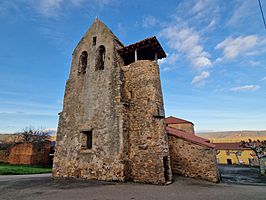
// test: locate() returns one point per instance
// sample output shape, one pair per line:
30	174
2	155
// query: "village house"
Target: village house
234	154
112	126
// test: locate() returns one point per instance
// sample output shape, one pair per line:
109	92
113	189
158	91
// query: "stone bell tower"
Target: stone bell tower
112	123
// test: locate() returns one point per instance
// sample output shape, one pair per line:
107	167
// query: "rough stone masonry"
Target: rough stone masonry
112	124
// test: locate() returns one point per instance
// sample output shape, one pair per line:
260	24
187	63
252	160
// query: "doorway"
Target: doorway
166	169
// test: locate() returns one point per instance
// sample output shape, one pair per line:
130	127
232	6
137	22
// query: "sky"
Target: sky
214	74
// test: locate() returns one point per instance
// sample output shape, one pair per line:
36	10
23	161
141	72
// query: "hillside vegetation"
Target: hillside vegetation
233	136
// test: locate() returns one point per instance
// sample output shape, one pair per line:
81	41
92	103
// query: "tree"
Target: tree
30	134
259	148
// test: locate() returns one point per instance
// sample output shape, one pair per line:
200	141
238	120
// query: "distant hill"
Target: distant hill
9	137
233	136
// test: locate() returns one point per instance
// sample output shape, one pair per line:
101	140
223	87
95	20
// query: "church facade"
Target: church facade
112	124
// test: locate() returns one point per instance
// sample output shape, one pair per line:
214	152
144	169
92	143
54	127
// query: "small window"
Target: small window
83	60
100	58
160	113
130	94
88	139
94	41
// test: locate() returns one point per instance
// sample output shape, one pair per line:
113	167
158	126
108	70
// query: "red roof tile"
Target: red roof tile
189	137
174	120
228	146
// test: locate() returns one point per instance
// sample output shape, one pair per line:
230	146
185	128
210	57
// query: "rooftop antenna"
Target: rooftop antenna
263	18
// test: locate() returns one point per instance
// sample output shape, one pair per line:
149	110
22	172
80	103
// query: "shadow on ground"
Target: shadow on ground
243	175
44	187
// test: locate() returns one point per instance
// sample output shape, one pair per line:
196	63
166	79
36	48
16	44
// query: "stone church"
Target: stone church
112	126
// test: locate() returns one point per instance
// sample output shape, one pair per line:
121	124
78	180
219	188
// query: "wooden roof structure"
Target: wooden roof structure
149	43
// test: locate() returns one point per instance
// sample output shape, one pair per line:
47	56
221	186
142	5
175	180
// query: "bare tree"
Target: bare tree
259	148
30	134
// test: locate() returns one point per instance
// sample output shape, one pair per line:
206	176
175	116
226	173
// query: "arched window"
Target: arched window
83	60
100	57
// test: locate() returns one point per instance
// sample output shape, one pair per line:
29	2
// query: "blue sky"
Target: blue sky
214	75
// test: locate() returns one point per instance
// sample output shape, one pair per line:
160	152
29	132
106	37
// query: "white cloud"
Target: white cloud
46	8
83	2
200	78
47	5
187	41
244	9
245	88
232	47
168	68
211	25
52	8
149	21
170	59
169	63
264	78
254	63
199	6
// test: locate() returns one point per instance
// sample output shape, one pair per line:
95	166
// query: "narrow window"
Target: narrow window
83	59
100	57
94	41
88	139
130	94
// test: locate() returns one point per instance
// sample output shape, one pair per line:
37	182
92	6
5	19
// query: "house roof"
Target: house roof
175	120
148	42
189	137
229	146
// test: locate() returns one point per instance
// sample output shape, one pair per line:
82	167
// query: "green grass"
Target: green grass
8	169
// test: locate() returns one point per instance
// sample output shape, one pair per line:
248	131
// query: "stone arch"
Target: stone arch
83	61
100	58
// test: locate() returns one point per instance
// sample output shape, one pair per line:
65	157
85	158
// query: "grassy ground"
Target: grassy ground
7	169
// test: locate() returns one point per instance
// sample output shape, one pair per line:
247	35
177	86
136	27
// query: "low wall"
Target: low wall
30	154
193	160
4	156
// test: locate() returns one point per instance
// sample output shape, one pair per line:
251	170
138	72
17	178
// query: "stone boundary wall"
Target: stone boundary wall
193	160
29	154
4	156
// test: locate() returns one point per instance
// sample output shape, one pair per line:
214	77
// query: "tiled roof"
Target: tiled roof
228	146
148	42
189	137
174	120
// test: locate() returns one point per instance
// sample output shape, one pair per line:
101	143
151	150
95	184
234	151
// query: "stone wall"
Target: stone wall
4	156
148	151
186	127
29	154
193	160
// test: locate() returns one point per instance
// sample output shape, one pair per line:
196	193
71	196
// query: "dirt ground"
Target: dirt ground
42	187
